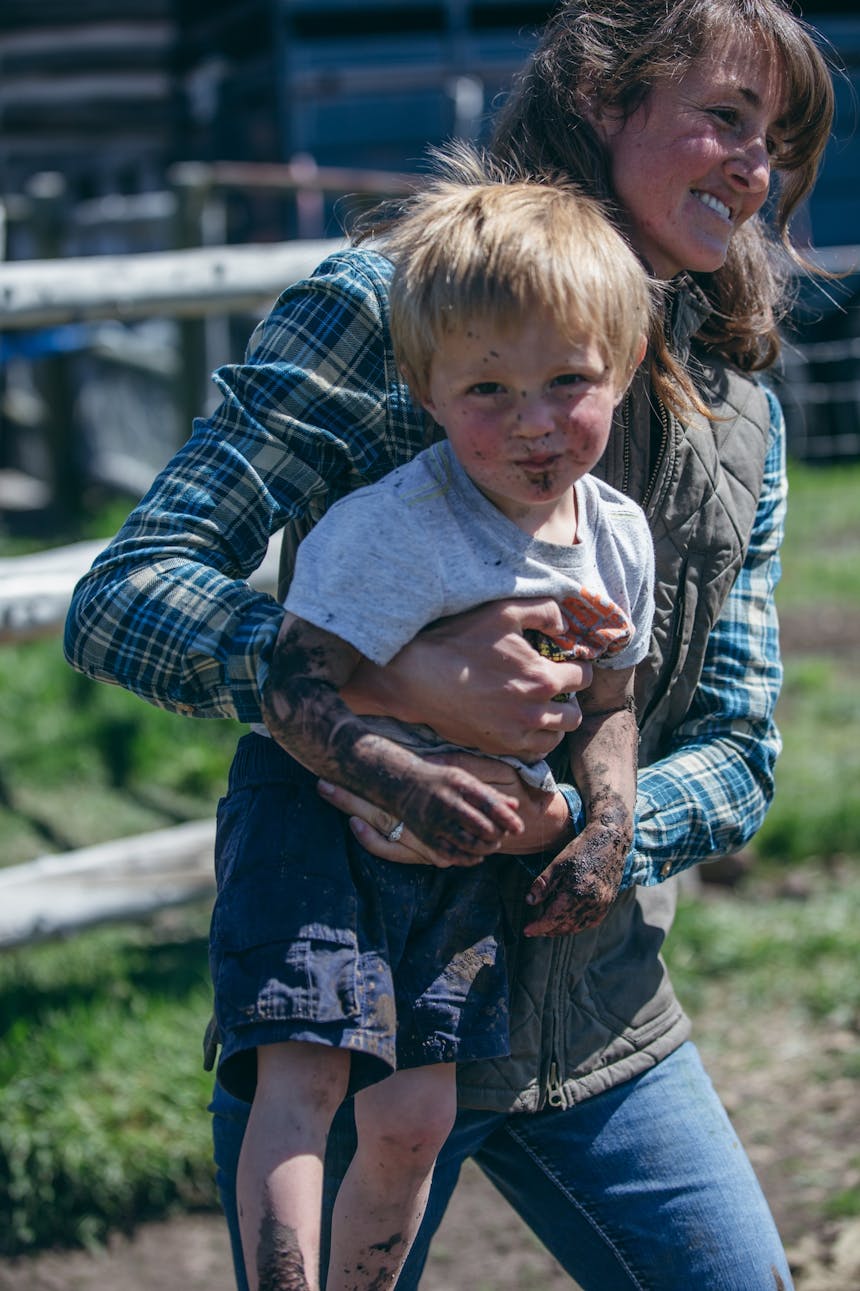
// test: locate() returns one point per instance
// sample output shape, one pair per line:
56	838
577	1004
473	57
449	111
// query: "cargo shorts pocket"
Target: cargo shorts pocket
269	964
284	939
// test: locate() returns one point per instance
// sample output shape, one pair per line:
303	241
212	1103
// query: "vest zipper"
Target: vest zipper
554	1092
625	423
560	961
661	453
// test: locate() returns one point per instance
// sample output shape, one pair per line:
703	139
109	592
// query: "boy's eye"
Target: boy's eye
568	379
486	387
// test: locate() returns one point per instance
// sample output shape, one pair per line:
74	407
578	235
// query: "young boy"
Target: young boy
518	316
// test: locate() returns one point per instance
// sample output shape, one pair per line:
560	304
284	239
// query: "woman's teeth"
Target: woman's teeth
708	199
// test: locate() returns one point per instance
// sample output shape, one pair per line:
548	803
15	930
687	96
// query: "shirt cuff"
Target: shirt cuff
574	806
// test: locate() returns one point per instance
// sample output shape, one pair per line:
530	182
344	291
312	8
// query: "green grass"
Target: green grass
775	952
102	1092
82	763
821	553
816	810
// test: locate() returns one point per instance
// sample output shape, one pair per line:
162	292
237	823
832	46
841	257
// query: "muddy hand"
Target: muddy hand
458	815
578	887
545	817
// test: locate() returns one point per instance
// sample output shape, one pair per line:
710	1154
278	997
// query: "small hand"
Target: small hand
545	816
456	814
578	887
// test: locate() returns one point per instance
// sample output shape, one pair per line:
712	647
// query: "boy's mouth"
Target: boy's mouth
538	462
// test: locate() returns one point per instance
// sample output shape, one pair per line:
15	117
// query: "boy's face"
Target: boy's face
527	411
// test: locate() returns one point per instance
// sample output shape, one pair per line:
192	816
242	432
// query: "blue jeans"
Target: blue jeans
643	1187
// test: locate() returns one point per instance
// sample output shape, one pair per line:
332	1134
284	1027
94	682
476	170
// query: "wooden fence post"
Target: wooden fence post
191	183
47	194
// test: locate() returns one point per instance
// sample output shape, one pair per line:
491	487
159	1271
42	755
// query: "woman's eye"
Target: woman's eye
728	115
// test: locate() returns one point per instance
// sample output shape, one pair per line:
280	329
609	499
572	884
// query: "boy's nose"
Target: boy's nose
535	417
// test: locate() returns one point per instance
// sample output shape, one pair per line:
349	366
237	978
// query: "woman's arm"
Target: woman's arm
709	795
315	410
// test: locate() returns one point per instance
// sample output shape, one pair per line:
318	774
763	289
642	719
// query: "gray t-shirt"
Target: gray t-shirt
423	543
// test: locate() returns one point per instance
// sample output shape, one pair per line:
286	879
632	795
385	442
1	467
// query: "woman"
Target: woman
602	1129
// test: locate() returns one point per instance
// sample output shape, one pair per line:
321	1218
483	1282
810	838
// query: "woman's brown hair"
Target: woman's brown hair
611	53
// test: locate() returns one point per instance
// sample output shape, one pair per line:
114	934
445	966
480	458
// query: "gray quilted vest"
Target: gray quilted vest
595	1009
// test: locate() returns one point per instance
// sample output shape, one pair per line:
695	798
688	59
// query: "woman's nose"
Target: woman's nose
749	167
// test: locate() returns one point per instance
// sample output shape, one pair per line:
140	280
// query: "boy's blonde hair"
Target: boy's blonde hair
477	244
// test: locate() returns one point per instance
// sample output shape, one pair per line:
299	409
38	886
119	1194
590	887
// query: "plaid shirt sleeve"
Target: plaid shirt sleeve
709	795
316	409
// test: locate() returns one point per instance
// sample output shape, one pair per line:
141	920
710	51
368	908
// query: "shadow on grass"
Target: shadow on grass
32	987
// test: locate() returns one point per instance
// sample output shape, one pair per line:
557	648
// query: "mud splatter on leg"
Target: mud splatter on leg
280	1266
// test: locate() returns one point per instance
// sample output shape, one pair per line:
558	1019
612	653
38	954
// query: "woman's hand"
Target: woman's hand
545	816
477	681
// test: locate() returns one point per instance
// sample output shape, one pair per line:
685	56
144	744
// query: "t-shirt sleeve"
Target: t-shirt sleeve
369	574
638	549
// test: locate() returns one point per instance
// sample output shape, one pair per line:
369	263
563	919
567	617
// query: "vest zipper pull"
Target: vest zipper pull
554	1094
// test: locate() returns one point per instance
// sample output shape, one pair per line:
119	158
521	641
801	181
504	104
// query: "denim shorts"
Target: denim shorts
313	939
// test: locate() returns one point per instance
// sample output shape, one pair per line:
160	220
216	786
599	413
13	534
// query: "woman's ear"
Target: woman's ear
593	110
605	119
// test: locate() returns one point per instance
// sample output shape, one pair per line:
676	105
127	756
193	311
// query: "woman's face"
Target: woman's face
693	162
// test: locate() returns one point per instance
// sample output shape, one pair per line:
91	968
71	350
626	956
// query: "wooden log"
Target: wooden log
180	284
125	879
35	590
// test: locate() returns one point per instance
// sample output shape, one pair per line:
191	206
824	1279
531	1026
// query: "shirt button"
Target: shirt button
666	869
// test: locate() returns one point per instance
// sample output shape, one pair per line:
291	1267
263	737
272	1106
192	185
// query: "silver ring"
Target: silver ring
394	836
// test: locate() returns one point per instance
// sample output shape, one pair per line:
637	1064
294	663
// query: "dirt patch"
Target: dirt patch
784	1085
828	631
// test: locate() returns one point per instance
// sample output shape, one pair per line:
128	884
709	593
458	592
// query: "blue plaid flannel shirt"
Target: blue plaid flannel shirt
317	409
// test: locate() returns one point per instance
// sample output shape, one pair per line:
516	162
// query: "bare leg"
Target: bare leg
279	1177
402	1123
